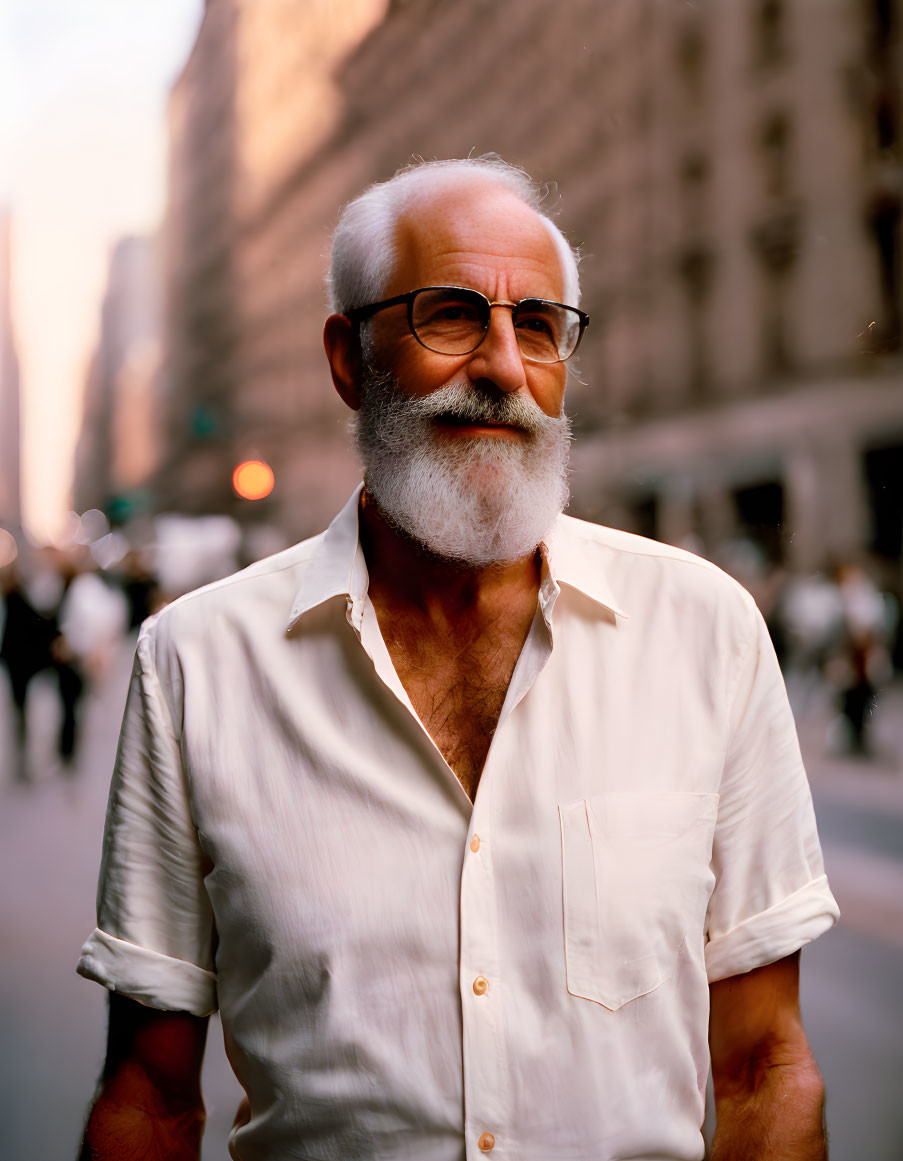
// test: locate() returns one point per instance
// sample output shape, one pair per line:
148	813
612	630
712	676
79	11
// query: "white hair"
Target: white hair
364	249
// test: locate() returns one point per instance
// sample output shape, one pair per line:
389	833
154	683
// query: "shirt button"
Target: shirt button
475	843
481	987
486	1142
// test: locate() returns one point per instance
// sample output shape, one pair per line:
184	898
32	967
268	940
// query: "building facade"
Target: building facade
732	174
10	427
118	448
244	305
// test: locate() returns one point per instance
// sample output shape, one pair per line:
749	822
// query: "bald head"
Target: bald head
470	233
375	228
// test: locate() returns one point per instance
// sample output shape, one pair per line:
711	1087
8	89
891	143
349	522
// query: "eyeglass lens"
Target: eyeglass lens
454	321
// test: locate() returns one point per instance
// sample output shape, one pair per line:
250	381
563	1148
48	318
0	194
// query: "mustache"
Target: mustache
473	403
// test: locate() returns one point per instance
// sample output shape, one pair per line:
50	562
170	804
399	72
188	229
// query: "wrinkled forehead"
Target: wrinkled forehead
471	233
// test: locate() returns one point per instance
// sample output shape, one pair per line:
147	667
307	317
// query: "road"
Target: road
851	992
53	1021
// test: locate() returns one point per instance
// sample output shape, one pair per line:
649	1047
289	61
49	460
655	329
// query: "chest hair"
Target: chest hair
457	690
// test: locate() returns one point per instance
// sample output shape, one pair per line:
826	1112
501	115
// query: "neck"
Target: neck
403	574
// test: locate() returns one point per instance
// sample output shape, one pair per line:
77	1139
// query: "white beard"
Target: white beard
477	500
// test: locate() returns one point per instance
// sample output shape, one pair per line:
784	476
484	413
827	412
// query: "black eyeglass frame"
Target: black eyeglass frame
359	314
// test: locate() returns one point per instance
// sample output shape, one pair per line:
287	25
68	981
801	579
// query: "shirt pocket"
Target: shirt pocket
635	877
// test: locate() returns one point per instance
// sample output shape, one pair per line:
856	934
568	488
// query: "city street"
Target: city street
53	1021
708	200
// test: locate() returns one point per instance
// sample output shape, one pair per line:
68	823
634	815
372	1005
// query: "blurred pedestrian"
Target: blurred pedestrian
140	587
26	649
862	664
49	590
64	620
93	616
810	615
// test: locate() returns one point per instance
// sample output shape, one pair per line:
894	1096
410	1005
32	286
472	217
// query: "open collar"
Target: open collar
337	567
572	558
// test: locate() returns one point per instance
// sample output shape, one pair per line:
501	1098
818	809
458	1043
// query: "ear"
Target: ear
343	350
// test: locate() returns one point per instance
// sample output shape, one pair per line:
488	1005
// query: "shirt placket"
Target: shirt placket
482	993
479	977
489	1125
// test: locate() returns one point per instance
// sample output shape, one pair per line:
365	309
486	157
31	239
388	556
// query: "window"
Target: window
691	57
775	152
768	33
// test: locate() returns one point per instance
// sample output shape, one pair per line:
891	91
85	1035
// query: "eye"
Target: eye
454	312
445	308
537	325
448	319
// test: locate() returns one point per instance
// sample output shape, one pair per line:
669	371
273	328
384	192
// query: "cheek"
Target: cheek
395	350
420	372
548	391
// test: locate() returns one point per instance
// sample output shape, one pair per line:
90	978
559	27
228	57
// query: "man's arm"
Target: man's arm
149	1107
769	1094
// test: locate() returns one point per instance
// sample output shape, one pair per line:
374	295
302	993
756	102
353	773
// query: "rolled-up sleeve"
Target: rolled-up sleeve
154	938
771	895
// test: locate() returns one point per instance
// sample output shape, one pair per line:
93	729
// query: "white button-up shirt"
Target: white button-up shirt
402	974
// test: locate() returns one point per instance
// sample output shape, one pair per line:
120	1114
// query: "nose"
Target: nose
498	358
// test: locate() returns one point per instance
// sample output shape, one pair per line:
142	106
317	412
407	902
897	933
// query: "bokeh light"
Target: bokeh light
93	525
9	550
253	479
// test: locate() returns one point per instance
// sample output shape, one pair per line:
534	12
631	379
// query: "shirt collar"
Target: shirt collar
580	562
337	567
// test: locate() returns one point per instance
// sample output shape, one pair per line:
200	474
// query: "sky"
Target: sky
83	90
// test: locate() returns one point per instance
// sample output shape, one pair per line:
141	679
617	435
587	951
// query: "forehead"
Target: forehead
476	234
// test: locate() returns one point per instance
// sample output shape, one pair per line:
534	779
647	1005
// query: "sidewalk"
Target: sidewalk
865	795
54	1022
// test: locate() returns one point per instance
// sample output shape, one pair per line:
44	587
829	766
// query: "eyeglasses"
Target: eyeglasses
453	320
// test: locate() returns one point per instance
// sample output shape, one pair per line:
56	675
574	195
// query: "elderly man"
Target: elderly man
479	825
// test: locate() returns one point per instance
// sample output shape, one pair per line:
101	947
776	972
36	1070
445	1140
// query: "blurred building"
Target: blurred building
731	172
241	376
10	434
118	448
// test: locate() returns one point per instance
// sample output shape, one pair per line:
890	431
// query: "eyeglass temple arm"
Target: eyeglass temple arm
360	313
